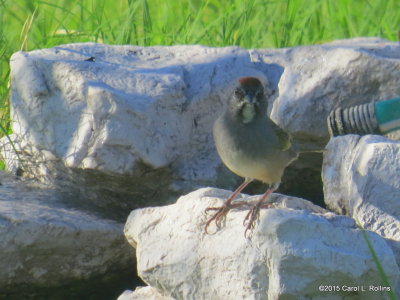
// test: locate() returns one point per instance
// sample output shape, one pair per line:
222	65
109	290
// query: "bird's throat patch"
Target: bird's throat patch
248	113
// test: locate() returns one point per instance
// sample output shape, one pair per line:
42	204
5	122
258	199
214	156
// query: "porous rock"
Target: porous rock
143	293
298	252
49	248
110	121
361	178
319	79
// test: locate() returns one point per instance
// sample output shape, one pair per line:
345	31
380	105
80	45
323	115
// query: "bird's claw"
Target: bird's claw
250	219
218	217
252	216
221	213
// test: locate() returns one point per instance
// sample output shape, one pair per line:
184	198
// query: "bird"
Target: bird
252	146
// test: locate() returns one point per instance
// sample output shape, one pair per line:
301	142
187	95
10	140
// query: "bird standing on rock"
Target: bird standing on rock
252	146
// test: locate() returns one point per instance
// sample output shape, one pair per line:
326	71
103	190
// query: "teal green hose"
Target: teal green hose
372	118
388	115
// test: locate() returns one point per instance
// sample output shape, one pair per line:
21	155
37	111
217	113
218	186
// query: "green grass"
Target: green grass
32	24
382	274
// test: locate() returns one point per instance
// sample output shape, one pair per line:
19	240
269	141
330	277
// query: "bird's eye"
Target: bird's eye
238	93
259	94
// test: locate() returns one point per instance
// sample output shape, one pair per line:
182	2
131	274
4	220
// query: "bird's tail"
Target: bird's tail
307	147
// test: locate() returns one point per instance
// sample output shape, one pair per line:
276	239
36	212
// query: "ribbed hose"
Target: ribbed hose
359	119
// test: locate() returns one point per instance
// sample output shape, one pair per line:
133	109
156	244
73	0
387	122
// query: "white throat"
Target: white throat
248	113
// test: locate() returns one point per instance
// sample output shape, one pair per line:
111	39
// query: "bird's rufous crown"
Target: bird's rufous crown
249	81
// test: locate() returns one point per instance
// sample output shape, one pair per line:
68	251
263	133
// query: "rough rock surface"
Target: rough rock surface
143	293
343	73
47	246
291	254
362	179
110	121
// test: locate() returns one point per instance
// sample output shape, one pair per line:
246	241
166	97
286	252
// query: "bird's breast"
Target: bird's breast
250	152
266	169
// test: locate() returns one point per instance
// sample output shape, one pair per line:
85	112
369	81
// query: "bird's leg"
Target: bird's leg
253	214
226	206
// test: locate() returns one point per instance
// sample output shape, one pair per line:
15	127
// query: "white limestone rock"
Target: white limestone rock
361	178
110	121
318	79
143	293
291	254
47	244
132	104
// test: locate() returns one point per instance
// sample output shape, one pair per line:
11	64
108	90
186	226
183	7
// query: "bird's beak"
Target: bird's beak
249	100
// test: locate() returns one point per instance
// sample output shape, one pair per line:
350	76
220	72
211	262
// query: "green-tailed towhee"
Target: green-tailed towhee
251	145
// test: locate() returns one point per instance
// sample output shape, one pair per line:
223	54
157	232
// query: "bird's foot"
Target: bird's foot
252	216
221	213
218	217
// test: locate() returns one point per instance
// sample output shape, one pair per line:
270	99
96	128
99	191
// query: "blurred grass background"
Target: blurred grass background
31	24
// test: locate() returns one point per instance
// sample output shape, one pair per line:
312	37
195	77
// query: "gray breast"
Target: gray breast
250	150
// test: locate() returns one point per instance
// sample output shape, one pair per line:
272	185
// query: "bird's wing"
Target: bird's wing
285	141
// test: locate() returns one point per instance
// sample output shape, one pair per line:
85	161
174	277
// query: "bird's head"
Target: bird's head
248	102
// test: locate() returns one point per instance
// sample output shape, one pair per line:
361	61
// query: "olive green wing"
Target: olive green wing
285	140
